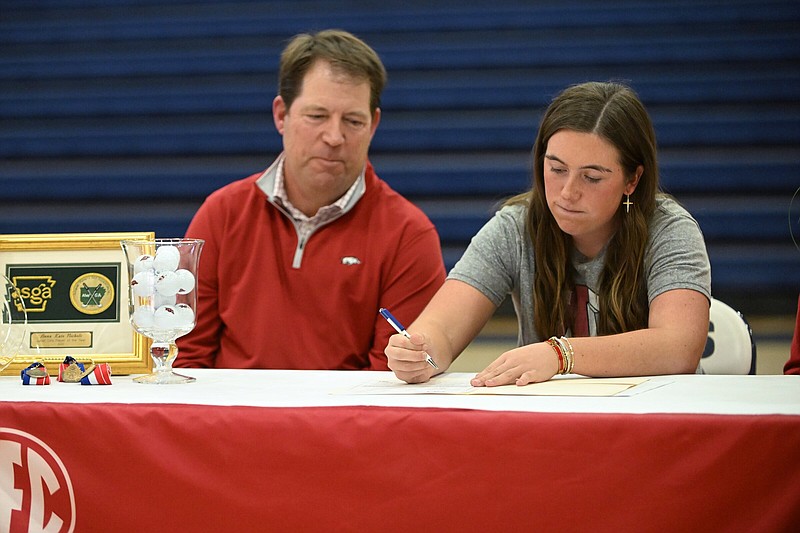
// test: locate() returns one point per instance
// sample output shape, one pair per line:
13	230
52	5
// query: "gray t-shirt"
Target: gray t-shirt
499	261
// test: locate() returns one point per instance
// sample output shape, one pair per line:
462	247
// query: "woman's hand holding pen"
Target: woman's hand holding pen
527	364
408	357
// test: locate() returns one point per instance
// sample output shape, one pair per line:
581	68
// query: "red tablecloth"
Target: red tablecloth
147	467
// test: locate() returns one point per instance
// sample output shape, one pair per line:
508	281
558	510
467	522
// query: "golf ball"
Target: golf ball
143	317
167	259
166	317
143	283
159	300
185	281
142	263
185	314
167	283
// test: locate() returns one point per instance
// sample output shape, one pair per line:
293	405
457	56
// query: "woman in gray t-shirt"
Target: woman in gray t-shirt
608	276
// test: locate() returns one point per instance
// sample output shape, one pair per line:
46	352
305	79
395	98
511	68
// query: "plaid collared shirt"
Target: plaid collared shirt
324	215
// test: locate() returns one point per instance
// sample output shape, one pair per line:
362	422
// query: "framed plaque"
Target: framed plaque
74	288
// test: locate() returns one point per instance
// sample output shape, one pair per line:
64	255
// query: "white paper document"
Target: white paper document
458	383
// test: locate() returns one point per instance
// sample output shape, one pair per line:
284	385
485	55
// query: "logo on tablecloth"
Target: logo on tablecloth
35	489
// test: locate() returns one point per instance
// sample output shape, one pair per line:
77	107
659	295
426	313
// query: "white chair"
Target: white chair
730	348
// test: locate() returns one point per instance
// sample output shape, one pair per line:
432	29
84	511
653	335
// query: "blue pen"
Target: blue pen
402	331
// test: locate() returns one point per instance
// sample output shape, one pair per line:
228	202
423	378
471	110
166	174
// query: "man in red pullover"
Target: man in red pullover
299	258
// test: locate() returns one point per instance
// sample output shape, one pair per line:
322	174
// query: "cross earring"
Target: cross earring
627	203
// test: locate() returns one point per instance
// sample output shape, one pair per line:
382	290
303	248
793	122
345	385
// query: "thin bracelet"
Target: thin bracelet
567	358
559	349
569	355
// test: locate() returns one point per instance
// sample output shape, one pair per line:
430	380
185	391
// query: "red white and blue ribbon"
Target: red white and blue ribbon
35	374
72	371
100	375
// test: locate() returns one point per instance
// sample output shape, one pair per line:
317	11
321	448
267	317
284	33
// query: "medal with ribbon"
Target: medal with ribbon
72	371
35	374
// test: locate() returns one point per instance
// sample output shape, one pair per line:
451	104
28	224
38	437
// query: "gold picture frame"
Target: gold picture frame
100	332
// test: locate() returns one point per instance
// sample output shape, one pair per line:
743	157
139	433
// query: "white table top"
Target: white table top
713	394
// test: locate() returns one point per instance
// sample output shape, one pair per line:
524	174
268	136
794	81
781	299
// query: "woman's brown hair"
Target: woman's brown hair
614	112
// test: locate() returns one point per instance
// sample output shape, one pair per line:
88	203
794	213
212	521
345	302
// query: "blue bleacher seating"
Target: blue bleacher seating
122	115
